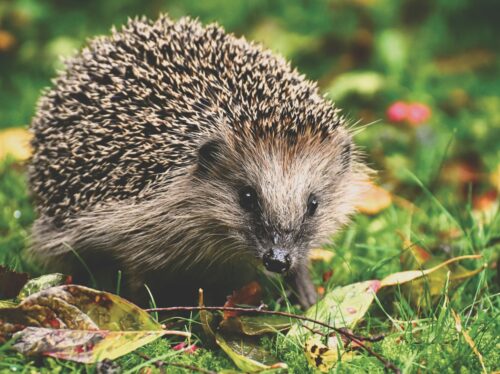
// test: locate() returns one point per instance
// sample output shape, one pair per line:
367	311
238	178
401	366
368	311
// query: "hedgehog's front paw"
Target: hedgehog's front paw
303	287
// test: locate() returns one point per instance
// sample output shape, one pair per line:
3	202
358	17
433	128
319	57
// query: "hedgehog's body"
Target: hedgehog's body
180	153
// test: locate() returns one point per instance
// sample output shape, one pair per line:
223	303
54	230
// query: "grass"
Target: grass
420	338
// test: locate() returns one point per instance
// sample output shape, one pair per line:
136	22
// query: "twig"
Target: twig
342	331
160	364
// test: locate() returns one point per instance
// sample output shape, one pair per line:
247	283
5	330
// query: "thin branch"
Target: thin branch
342	331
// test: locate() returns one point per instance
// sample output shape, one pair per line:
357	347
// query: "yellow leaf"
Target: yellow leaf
15	142
319	254
374	199
408	276
325	356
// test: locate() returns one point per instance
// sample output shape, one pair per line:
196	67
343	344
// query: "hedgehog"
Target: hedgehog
186	157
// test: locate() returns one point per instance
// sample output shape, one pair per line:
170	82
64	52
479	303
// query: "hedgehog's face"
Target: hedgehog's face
278	199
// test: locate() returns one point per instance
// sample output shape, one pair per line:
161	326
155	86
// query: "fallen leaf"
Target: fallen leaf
319	254
41	283
7	40
247	354
325	356
16	143
78	323
79	345
341	307
408	276
256	325
373	200
346	306
251	294
485	201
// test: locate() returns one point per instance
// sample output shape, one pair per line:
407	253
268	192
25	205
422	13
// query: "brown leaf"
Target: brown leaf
485	201
251	294
466	61
374	199
7	40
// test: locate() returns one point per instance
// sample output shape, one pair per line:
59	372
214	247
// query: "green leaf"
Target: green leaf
342	307
247	354
41	283
364	83
256	325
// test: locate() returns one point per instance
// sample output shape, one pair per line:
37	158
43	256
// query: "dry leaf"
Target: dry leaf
325	356
15	142
251	294
7	40
319	254
374	199
485	201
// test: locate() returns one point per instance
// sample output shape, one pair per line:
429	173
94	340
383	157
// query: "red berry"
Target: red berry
397	112
418	113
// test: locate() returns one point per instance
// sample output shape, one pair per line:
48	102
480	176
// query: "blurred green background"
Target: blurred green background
366	55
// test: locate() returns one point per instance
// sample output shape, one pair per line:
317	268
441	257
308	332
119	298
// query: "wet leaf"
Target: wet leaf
247	354
79	345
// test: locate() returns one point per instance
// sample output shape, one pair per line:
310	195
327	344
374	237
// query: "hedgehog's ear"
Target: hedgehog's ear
208	155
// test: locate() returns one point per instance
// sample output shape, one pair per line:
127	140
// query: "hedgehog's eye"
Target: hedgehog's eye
312	205
248	198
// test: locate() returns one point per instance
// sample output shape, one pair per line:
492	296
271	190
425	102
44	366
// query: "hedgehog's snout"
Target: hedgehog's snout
277	260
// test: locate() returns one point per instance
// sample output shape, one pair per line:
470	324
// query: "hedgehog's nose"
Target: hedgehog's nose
277	260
